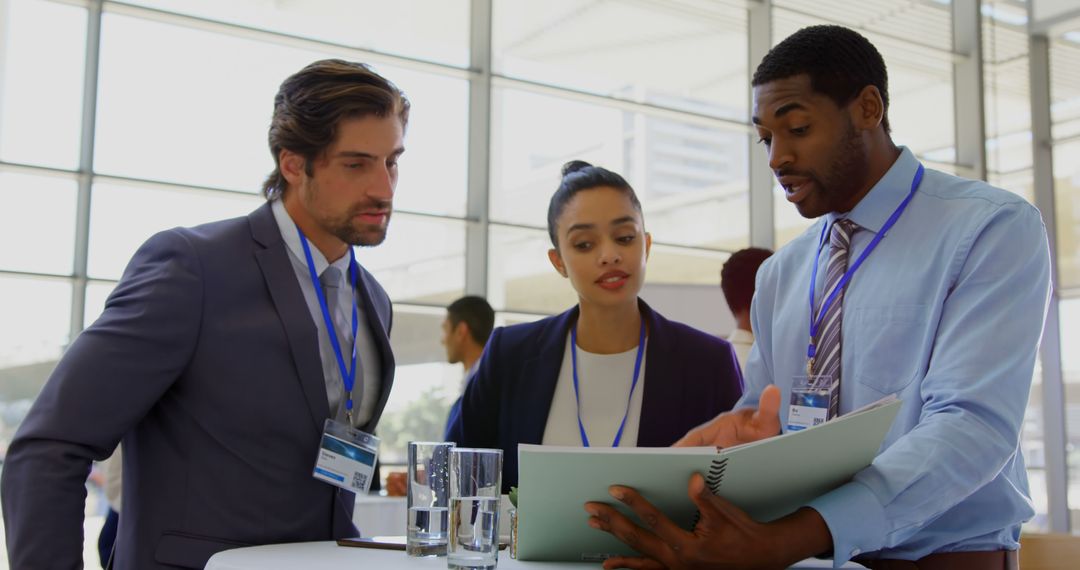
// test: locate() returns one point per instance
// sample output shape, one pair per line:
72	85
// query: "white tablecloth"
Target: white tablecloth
329	556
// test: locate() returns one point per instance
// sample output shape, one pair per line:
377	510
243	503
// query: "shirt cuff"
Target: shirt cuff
855	518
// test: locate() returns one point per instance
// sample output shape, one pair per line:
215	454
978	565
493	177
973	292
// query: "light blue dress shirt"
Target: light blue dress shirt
946	313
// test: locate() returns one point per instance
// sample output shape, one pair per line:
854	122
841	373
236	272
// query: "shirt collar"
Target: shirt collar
292	241
875	208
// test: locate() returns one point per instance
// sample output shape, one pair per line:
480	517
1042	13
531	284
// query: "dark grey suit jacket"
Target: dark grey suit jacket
206	363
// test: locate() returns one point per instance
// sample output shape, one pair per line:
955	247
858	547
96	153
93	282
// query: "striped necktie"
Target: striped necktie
331	280
827	362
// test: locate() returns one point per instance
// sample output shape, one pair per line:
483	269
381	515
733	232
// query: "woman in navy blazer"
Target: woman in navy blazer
597	229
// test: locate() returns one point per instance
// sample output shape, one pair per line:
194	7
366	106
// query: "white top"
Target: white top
604	383
741	340
367	378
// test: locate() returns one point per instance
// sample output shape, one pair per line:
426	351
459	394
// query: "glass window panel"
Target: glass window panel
34	324
42	57
115	233
504	319
1039	498
577	44
97	292
46	210
424	383
920	78
1067	206
433	175
789	223
421	261
924	23
217	137
1020	182
520	276
1069	310
680	265
692	180
1065	114
1065	84
436	30
1008	104
198	115
1033	446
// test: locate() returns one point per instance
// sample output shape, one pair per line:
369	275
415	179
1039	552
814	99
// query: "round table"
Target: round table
329	556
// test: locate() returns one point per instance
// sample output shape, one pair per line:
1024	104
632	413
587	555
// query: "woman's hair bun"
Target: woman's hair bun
574	166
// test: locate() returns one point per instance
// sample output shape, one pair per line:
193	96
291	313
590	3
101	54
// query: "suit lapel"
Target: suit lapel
295	318
379	325
539	376
664	383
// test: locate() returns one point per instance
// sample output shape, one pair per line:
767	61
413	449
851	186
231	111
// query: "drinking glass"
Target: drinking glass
475	492
428	498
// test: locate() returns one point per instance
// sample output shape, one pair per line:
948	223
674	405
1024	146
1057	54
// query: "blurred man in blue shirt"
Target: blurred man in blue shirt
466	328
945	312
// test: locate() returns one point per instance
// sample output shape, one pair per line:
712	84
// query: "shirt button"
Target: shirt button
855	552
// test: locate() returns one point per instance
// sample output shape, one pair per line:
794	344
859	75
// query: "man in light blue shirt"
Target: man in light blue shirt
945	312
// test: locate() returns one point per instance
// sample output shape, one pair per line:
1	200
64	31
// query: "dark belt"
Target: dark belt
977	560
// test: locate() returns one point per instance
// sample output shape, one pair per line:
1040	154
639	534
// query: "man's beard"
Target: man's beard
342	228
366	235
847	171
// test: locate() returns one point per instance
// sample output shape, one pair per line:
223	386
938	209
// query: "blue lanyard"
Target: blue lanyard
577	397
348	376
811	350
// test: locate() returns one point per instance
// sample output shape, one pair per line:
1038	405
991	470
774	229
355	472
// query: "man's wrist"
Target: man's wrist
800	535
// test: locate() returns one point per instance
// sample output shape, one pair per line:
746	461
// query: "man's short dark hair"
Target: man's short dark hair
738	274
310	105
476	313
840	63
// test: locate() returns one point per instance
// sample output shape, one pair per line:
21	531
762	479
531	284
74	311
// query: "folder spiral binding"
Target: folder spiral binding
716	474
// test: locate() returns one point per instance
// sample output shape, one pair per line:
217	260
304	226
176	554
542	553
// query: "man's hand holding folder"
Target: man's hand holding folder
740	426
725	536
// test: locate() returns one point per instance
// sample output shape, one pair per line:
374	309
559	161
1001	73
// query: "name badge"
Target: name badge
810	397
346	457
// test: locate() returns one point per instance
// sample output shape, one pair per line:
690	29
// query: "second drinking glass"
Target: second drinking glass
475	492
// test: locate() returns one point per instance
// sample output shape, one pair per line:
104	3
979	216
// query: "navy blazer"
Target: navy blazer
206	362
690	377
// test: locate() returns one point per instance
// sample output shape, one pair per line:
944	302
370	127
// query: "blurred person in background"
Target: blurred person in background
737	282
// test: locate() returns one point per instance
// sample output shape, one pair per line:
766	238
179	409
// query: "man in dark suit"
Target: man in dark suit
213	362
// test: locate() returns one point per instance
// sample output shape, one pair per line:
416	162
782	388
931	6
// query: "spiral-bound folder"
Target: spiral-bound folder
768	479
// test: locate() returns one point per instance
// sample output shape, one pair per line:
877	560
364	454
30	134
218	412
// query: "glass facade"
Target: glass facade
161	122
